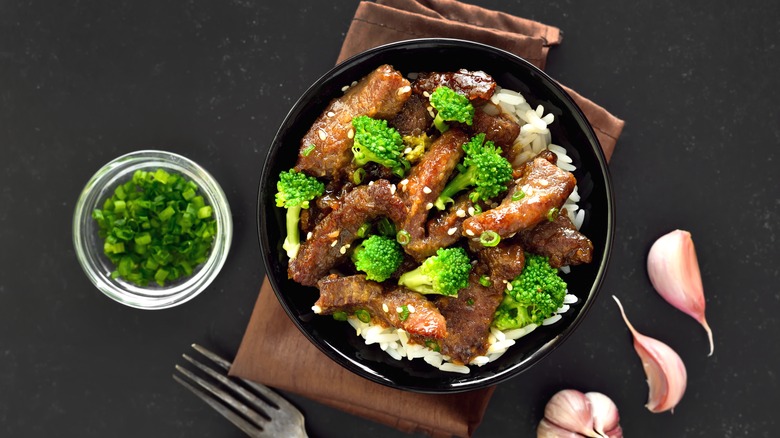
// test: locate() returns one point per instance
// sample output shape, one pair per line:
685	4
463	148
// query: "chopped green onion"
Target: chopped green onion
404	313
307	150
470	301
403	237
433	345
358	175
489	238
155	227
363	315
552	214
518	195
363	230
485	281
477	209
340	316
385	227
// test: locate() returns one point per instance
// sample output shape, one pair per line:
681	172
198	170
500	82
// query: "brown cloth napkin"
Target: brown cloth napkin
265	354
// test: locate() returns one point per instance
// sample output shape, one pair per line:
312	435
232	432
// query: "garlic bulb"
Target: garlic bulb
666	375
674	272
570	413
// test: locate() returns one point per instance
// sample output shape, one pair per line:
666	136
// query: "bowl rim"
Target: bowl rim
153	297
514	369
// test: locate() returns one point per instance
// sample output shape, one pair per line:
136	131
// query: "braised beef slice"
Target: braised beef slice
424	184
560	241
499	129
381	94
330	240
349	294
414	118
544	186
478	86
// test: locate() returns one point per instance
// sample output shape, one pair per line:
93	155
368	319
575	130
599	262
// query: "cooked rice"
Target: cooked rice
533	138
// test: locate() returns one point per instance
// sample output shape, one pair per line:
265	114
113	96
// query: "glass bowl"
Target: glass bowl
89	245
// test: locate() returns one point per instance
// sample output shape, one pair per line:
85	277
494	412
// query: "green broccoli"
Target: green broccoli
294	191
445	273
450	107
378	257
534	295
416	145
377	142
483	167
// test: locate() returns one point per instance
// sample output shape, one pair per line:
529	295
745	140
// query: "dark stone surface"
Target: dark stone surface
84	82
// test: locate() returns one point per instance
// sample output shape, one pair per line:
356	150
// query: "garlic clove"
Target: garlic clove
666	375
604	412
674	272
617	432
570	410
546	429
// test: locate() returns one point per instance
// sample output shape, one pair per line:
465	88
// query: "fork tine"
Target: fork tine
225	397
266	392
234	418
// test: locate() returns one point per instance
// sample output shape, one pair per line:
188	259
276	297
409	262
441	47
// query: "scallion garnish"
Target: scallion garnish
489	238
155	228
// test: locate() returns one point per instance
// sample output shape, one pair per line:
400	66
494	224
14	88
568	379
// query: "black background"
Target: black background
83	82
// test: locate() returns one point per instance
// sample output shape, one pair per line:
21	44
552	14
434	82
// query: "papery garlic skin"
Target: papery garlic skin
546	429
674	272
666	374
570	410
604	412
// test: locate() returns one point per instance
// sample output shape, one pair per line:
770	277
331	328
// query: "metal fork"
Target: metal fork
253	408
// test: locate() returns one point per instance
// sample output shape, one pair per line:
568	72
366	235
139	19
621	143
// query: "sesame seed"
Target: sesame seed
404	182
509	286
393	188
542	182
334	234
350	133
469	232
354	83
345	88
334	243
429	206
410	308
385	308
370	183
426	189
471	211
331	114
316	309
343	250
399	309
452	231
308	235
347	246
323	134
408	151
426	94
405	89
460	213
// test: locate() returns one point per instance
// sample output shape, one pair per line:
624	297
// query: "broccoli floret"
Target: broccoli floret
484	168
534	295
377	142
294	191
450	107
445	273
378	257
416	145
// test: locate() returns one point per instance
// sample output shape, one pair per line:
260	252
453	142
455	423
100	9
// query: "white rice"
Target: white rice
533	138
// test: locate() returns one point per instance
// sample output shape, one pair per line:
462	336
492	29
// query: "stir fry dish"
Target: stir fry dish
434	207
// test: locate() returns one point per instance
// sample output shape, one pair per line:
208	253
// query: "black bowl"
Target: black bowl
570	130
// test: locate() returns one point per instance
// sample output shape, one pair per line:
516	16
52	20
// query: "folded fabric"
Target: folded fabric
275	353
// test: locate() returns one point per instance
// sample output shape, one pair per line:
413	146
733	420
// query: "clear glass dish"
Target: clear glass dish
89	245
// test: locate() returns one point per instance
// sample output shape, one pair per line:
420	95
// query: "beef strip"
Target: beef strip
424	184
478	86
348	294
559	240
380	94
414	118
443	230
470	314
545	186
330	239
499	129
